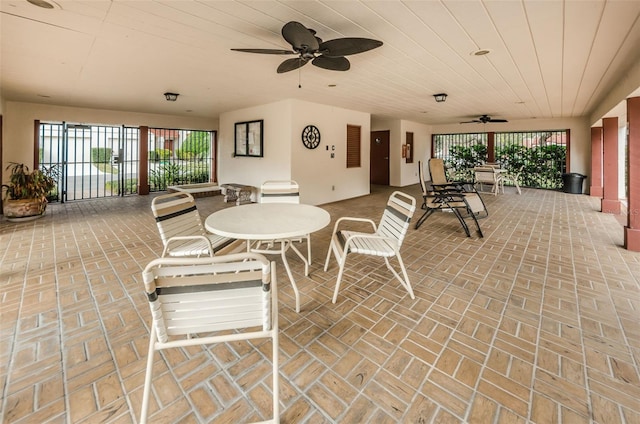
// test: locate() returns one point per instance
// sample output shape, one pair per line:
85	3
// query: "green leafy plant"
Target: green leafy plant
130	186
26	184
195	145
166	175
162	154
101	154
467	156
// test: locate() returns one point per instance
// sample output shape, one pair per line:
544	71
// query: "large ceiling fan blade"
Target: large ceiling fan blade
332	63
265	51
498	120
299	36
470	122
348	46
291	64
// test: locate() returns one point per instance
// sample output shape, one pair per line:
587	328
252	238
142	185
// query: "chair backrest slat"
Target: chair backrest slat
484	174
191	295
396	216
280	192
176	215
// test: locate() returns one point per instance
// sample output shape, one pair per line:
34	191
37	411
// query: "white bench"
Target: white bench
197	190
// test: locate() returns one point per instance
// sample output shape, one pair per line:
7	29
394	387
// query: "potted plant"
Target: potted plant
26	193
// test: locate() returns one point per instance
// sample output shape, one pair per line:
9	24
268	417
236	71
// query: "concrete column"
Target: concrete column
596	162
632	230
610	201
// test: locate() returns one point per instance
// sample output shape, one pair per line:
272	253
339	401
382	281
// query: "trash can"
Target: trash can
572	182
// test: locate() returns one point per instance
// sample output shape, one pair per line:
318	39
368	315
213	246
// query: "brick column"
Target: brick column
491	147
632	230
143	154
596	162
610	201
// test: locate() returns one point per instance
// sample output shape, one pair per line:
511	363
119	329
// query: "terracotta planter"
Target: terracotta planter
23	209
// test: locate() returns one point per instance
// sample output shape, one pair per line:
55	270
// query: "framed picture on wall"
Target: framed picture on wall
248	139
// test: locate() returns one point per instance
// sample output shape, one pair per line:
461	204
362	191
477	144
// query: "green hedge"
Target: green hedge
539	166
101	154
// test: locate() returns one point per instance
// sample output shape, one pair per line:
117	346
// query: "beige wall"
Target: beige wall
421	150
322	179
402	173
276	162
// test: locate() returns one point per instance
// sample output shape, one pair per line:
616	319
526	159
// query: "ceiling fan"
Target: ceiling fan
483	119
323	54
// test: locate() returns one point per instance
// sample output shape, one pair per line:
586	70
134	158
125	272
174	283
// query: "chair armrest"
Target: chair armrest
354	237
457	185
351	219
183	238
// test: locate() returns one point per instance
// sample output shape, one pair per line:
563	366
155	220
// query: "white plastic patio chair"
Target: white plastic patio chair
385	240
286	191
205	295
181	228
490	176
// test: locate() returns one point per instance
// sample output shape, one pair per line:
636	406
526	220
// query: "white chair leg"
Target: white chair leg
147	378
276	378
326	262
283	249
404	282
302	258
406	277
335	292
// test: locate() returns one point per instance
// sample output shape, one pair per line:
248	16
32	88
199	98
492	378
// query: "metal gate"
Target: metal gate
90	161
539	157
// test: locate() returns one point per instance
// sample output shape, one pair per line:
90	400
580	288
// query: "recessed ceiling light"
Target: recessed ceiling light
45	4
480	52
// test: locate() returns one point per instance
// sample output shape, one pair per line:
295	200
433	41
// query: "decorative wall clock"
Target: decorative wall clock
311	137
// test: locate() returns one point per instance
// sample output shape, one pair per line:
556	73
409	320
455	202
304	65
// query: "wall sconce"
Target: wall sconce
440	97
171	97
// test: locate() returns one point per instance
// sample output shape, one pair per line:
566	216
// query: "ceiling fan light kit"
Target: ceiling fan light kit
310	48
171	97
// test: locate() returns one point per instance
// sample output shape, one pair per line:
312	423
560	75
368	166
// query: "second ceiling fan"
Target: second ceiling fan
323	54
484	119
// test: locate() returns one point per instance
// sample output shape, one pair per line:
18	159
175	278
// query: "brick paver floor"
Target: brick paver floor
539	321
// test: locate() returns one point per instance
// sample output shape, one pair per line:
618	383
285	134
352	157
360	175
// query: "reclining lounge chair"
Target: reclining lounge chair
457	197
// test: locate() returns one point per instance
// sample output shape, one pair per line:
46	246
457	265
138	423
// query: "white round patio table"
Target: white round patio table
270	221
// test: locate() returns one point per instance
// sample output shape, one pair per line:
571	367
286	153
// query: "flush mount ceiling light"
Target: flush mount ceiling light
45	4
480	52
171	97
440	97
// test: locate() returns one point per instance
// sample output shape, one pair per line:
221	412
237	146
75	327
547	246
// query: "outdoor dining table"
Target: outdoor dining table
270	221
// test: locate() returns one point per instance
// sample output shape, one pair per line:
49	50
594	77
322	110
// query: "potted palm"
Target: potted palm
26	194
